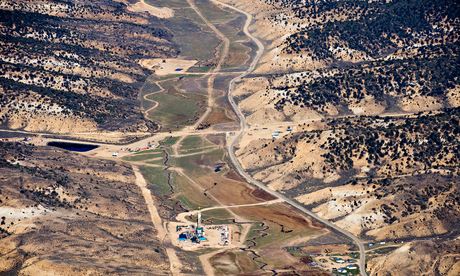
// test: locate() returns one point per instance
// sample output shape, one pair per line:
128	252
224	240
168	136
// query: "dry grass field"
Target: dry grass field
91	215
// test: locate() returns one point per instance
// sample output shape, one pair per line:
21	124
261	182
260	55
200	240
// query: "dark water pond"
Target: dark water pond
73	146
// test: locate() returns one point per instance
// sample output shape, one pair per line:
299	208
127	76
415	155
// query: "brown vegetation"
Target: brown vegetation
89	212
63	73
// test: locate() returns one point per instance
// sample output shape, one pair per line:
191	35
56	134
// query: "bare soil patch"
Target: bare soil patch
141	6
168	66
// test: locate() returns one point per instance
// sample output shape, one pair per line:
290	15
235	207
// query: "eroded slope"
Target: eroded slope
74	66
333	58
62	213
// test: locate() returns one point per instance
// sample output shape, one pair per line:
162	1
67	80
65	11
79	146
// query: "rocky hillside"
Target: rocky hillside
428	257
334	58
354	112
376	176
73	66
62	213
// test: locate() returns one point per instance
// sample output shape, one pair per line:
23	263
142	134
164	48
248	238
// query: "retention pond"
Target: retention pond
73	146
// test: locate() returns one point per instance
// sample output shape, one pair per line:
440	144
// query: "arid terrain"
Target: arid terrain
360	120
70	67
229	137
66	214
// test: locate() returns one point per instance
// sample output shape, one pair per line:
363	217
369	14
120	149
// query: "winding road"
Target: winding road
243	127
216	69
105	150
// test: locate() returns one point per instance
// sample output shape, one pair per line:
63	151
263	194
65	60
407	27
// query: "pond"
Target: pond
73	146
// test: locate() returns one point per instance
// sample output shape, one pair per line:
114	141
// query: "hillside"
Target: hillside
229	137
73	66
333	58
362	173
354	112
66	214
420	257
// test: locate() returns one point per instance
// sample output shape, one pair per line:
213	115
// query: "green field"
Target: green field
149	151
158	162
217	216
167	142
176	109
238	56
214	13
199	46
166	3
199	69
142	157
194	143
157	179
189	196
275	236
193	164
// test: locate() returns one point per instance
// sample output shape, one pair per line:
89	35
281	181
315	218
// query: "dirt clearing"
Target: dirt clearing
167	66
141	6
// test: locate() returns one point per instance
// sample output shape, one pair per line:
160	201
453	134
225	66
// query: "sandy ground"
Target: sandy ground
206	264
24	215
175	264
141	6
277	175
168	66
55	124
453	96
420	103
368	106
337	203
258	105
418	258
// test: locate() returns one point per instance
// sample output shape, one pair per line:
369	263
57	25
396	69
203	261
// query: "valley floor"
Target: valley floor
193	176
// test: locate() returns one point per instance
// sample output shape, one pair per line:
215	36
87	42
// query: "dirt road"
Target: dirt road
182	216
223	56
243	126
162	234
106	150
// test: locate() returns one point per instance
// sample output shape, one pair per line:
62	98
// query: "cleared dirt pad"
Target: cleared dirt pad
141	6
163	67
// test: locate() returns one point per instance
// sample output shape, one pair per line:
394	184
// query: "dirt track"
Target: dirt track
181	216
140	181
223	56
243	126
175	263
156	220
